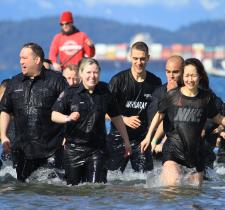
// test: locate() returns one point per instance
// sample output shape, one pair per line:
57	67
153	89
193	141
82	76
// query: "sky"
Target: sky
168	14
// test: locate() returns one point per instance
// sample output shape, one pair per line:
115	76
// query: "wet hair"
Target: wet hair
72	67
204	80
140	46
37	50
87	61
4	83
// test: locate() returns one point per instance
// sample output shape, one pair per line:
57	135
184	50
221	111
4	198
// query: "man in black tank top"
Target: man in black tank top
132	88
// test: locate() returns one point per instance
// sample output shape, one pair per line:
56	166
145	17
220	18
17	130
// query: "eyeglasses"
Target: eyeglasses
64	24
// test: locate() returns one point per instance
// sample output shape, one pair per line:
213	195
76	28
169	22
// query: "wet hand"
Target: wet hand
89	42
6	145
57	67
153	146
132	121
144	145
74	116
158	148
222	134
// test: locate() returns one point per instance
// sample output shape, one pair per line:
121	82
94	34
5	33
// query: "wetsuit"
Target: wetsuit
84	155
210	136
158	94
30	102
72	45
133	99
221	151
186	119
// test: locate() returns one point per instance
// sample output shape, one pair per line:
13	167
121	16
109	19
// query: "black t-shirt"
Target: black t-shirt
30	102
134	97
90	129
158	94
186	118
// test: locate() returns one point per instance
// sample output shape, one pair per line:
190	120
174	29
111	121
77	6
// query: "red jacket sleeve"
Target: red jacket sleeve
89	51
54	49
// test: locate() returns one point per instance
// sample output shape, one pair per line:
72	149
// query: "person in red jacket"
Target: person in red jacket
71	45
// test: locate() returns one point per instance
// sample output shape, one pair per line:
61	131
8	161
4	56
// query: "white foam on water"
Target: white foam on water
153	178
42	175
150	179
212	174
220	170
45	175
7	169
218	187
127	175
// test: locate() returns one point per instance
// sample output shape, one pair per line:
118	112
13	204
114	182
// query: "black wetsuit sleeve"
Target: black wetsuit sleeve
62	103
6	101
113	109
163	104
219	103
159	81
156	97
158	94
114	88
152	108
212	110
61	85
113	85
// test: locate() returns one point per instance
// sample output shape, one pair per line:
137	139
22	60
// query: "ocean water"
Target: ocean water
130	190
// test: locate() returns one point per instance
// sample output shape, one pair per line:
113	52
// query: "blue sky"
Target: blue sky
169	14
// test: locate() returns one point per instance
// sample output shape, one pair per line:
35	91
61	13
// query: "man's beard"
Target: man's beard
72	31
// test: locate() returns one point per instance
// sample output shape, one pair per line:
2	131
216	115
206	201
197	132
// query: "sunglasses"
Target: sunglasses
64	24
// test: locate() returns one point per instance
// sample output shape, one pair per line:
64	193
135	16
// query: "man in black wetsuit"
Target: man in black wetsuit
132	88
29	97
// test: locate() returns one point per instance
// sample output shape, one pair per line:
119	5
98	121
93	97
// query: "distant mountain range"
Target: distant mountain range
14	34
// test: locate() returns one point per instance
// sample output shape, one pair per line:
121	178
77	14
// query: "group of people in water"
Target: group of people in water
62	114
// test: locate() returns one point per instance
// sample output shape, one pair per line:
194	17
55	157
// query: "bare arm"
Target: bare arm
154	124
56	66
222	134
89	48
5	120
158	135
107	117
62	118
159	132
132	121
119	124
